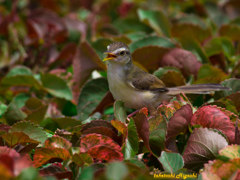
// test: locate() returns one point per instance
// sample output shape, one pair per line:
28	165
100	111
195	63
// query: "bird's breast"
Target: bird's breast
120	90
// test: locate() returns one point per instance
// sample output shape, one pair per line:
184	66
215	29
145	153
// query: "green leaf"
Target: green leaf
171	162
218	45
21	99
3	109
14	114
91	95
156	19
210	74
56	86
33	131
66	122
87	173
30	173
123	27
19	70
100	46
132	145
116	171
151	41
232	83
157	133
120	111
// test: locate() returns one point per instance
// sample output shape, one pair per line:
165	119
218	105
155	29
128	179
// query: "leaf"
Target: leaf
173	79
36	110
13	114
210	74
19	70
156	20
85	61
151	41
33	131
98	123
232	151
20	76
190	30
122	25
230	30
232	83
56	86
203	145
193	45
57	142
105	153
29	173
182	59
100	46
119	111
104	131
121	127
15	138
158	132
91	95
3	109
106	101
100	147
44	155
132	145
213	117
219	45
9	151
171	162
66	122
179	121
82	159
116	170
142	126
153	54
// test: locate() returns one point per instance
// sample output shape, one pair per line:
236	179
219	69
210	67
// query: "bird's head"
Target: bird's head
118	52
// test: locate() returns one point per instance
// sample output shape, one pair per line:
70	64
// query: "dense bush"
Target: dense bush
58	118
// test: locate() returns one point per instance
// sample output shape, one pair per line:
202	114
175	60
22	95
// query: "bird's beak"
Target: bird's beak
110	56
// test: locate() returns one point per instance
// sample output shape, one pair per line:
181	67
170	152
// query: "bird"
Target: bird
137	88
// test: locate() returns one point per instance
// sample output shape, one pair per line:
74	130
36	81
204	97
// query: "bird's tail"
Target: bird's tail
196	89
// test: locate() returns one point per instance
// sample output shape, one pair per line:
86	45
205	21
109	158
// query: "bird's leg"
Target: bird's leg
133	113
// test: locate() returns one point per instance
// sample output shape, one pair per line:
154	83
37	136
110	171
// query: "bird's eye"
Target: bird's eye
122	53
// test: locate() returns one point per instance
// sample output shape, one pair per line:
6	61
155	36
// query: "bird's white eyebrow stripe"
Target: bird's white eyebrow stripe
119	50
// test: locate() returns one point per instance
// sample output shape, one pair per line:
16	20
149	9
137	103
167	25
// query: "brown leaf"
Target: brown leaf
179	121
142	125
85	61
149	56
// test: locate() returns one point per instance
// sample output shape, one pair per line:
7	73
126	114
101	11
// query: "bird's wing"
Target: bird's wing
142	80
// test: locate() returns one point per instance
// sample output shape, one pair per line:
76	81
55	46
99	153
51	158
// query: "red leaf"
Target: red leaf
184	60
179	121
106	132
9	151
142	126
213	117
100	147
105	153
44	155
57	142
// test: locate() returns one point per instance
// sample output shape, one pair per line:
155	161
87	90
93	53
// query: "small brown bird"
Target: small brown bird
137	88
